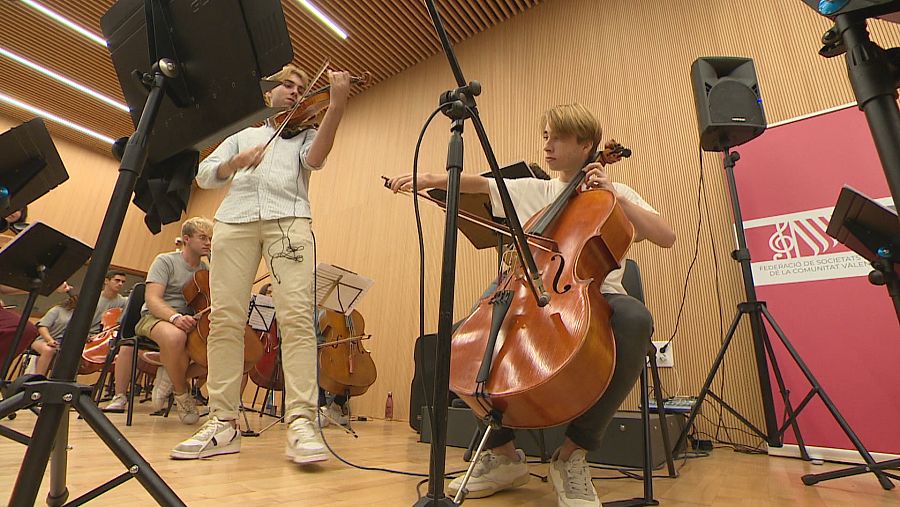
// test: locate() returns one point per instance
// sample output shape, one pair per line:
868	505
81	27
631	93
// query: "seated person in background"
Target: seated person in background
110	298
9	320
51	329
167	320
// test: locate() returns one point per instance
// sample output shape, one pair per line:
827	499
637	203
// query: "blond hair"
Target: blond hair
286	71
573	119
283	74
194	225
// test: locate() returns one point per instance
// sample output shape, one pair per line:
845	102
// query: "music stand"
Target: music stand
480	206
872	231
145	46
29	164
340	289
38	260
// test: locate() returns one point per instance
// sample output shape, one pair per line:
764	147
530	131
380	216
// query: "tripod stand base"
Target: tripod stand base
56	397
634	502
811	479
430	502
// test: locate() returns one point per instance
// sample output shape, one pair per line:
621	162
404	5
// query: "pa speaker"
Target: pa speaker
729	106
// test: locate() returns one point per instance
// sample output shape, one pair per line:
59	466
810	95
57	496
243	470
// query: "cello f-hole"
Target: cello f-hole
556	277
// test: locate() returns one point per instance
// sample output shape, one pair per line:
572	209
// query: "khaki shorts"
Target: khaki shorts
143	327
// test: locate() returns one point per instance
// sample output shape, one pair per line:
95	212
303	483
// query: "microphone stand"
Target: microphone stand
459	106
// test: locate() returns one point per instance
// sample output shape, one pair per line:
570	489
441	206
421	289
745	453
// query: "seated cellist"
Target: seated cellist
166	319
571	134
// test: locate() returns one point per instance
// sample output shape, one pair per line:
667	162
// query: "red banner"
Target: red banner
844	328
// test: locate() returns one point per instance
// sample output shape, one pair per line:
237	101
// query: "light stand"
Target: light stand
459	105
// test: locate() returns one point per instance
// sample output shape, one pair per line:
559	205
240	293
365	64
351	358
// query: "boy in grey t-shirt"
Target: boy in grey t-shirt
167	320
110	298
51	329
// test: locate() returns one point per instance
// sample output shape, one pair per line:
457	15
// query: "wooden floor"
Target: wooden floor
260	475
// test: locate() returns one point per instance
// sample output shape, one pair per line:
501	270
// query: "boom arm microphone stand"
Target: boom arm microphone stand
459	106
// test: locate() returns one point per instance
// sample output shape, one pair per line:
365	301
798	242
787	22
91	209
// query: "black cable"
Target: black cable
687	277
720	425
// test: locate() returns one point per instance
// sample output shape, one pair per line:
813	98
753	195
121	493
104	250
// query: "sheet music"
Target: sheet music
262	312
339	289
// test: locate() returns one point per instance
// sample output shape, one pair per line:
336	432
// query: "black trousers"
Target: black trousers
632	326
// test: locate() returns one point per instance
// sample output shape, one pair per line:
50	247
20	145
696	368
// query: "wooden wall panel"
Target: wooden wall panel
629	61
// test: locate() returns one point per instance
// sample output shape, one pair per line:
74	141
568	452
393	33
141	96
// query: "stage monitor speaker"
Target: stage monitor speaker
622	444
729	106
422	387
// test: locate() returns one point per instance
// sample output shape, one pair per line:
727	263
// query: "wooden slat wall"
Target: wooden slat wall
629	61
386	37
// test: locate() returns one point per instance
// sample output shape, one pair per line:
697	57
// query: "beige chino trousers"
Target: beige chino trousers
287	247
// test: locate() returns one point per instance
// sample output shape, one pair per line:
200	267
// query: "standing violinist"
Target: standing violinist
167	319
266	215
571	135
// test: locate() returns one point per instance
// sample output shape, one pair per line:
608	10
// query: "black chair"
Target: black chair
125	338
631	281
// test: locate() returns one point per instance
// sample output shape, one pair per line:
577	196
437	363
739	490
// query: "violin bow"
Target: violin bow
540	242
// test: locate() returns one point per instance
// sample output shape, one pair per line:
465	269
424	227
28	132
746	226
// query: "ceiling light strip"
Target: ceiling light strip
65	22
325	20
62	79
54	118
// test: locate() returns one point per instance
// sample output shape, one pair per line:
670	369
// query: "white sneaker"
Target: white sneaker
572	480
213	438
186	407
324	421
162	388
118	404
492	473
338	414
304	444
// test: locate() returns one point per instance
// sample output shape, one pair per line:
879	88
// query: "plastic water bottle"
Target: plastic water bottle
389	407
270	403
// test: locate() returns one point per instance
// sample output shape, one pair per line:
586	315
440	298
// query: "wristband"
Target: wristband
175	317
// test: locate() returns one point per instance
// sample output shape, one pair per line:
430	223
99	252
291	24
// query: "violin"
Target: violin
93	357
345	366
308	112
528	362
196	293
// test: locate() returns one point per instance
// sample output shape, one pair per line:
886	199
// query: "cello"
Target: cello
93	357
345	366
196	293
534	374
267	372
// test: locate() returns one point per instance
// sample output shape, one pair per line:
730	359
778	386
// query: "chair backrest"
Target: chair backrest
631	280
132	313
